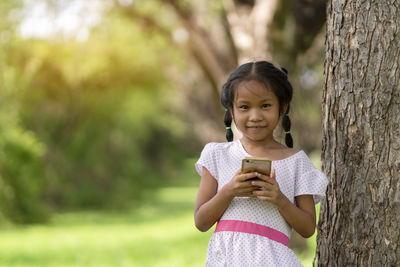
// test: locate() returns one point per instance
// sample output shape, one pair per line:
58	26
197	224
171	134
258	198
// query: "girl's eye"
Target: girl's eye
266	105
244	107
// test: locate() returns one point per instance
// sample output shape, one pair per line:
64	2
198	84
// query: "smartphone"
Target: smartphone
261	165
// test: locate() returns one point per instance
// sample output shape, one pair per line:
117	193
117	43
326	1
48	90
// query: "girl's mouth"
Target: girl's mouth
256	127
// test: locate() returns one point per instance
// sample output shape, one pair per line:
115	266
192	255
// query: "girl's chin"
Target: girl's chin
256	138
257	131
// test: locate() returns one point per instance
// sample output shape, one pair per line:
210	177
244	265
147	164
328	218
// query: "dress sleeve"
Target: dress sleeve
208	160
310	181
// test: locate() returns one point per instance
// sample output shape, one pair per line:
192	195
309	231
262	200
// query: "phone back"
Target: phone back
261	165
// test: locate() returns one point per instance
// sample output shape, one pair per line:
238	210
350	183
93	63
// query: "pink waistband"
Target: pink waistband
252	228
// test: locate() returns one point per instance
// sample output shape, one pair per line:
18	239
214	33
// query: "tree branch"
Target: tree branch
145	20
201	46
230	41
250	29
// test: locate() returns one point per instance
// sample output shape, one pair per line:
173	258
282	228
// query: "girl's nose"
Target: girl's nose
255	115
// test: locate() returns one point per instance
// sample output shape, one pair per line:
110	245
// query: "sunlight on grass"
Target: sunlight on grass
159	233
139	238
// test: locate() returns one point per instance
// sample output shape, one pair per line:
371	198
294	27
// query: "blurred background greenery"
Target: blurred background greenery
105	106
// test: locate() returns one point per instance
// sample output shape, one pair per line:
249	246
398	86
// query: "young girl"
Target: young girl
256	217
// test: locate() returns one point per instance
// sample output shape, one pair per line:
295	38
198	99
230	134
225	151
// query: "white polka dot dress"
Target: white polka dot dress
252	232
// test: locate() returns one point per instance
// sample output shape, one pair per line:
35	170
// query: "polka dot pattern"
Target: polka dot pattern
295	175
241	249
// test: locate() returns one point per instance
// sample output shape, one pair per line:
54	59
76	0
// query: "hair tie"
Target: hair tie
287	114
228	128
226	110
288	132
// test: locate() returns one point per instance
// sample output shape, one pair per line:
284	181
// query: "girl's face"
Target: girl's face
255	111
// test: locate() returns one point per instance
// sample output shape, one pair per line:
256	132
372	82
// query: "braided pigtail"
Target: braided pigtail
226	101
228	124
286	126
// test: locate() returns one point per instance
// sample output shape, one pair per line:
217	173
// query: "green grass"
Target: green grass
160	232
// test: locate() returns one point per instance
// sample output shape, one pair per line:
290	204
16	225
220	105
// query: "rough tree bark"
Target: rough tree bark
360	219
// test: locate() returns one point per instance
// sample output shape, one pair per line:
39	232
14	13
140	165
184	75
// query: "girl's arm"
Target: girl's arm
210	204
300	216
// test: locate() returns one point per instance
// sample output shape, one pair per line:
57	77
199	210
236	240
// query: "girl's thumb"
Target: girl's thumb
273	173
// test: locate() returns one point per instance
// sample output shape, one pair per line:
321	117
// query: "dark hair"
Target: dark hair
266	73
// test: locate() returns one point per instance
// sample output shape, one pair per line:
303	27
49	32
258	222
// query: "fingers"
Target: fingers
263	185
273	176
269	199
266	184
245	176
265	188
241	186
265	194
266	179
274	197
248	190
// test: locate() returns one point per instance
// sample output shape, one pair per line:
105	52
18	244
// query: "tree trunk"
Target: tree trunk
360	218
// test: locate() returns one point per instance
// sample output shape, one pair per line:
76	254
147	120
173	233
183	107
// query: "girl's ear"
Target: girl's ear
231	112
285	108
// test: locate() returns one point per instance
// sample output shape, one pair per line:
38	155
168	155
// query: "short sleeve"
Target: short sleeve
310	181
208	159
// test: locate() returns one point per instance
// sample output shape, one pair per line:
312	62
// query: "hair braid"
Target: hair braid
228	124
286	126
226	101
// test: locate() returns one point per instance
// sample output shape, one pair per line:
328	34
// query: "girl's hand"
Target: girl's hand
240	186
268	189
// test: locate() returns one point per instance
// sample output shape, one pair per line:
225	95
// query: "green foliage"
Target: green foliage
101	113
22	177
22	181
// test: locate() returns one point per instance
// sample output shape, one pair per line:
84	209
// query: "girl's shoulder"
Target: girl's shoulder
287	152
214	148
283	152
218	146
296	158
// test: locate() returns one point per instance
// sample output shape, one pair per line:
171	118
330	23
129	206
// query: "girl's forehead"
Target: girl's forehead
253	89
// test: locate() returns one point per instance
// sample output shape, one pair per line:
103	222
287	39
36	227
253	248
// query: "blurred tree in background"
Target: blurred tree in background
22	180
91	120
216	36
98	114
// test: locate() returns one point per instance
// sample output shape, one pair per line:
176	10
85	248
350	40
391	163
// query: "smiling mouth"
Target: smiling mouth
256	127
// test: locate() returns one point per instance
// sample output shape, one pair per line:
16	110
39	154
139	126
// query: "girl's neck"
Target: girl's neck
262	149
